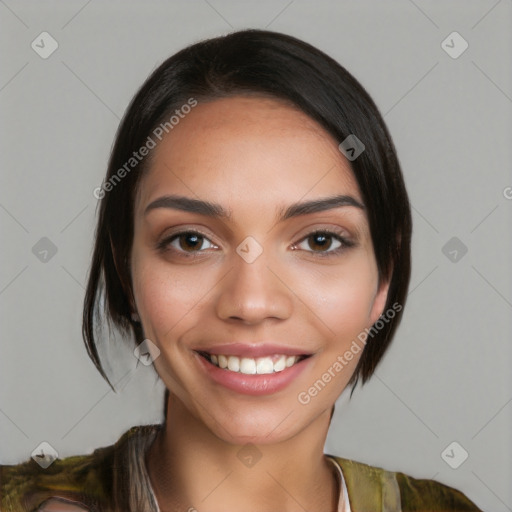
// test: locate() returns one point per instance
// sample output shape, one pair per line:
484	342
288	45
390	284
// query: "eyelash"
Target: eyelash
164	245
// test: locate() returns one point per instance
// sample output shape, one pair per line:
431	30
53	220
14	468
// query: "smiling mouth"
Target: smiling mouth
253	366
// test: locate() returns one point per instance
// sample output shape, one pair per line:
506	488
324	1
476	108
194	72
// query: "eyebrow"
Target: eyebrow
215	210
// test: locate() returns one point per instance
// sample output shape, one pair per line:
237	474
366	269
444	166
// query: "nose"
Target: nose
254	291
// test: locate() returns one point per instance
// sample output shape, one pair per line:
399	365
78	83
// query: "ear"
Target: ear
379	302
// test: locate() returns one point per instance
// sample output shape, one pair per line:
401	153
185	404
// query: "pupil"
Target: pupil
321	240
191	241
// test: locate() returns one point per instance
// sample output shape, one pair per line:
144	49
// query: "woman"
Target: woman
254	232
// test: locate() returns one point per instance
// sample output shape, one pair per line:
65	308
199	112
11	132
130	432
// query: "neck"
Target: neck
190	468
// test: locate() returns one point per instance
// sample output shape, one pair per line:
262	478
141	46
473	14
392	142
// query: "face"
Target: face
229	267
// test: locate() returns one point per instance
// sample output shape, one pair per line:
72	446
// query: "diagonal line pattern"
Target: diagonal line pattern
411	89
14	423
13	218
492	211
74	218
490	490
206	1
486	14
424	424
284	489
75	15
424	279
13	279
217	486
13	13
292	411
94	405
94	94
491	80
279	14
121	387
499	410
14	76
90	409
425	219
424	14
72	277
492	286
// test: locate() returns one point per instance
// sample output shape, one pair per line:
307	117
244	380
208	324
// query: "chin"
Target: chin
257	425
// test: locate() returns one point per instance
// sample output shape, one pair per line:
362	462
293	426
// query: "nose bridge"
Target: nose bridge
252	292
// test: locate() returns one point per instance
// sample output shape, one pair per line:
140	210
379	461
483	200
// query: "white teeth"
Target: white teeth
280	364
290	361
248	366
251	366
264	365
233	363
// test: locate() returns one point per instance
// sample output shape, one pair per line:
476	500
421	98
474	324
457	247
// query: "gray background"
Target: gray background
446	377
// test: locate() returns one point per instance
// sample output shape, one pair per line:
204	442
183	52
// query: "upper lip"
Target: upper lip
253	350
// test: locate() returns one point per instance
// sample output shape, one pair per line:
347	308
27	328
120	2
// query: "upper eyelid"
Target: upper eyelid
166	239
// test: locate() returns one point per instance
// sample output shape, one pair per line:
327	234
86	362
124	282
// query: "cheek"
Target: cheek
341	297
165	294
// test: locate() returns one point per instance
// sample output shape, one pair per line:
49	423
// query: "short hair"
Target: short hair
270	64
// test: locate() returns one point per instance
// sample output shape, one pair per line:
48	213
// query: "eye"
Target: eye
324	243
320	242
186	242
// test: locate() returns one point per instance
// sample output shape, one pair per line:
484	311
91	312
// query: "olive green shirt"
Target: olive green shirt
114	479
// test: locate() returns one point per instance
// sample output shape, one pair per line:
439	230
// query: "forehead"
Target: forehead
252	149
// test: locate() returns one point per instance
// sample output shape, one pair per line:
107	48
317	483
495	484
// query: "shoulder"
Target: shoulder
84	480
374	488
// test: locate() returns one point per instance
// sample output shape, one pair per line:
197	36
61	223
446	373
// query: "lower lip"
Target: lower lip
256	385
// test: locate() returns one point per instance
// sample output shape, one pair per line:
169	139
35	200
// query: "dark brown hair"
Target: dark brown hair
269	64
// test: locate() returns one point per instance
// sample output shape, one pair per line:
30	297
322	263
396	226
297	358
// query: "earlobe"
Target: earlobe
379	303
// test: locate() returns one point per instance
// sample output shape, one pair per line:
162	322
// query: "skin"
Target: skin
254	156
